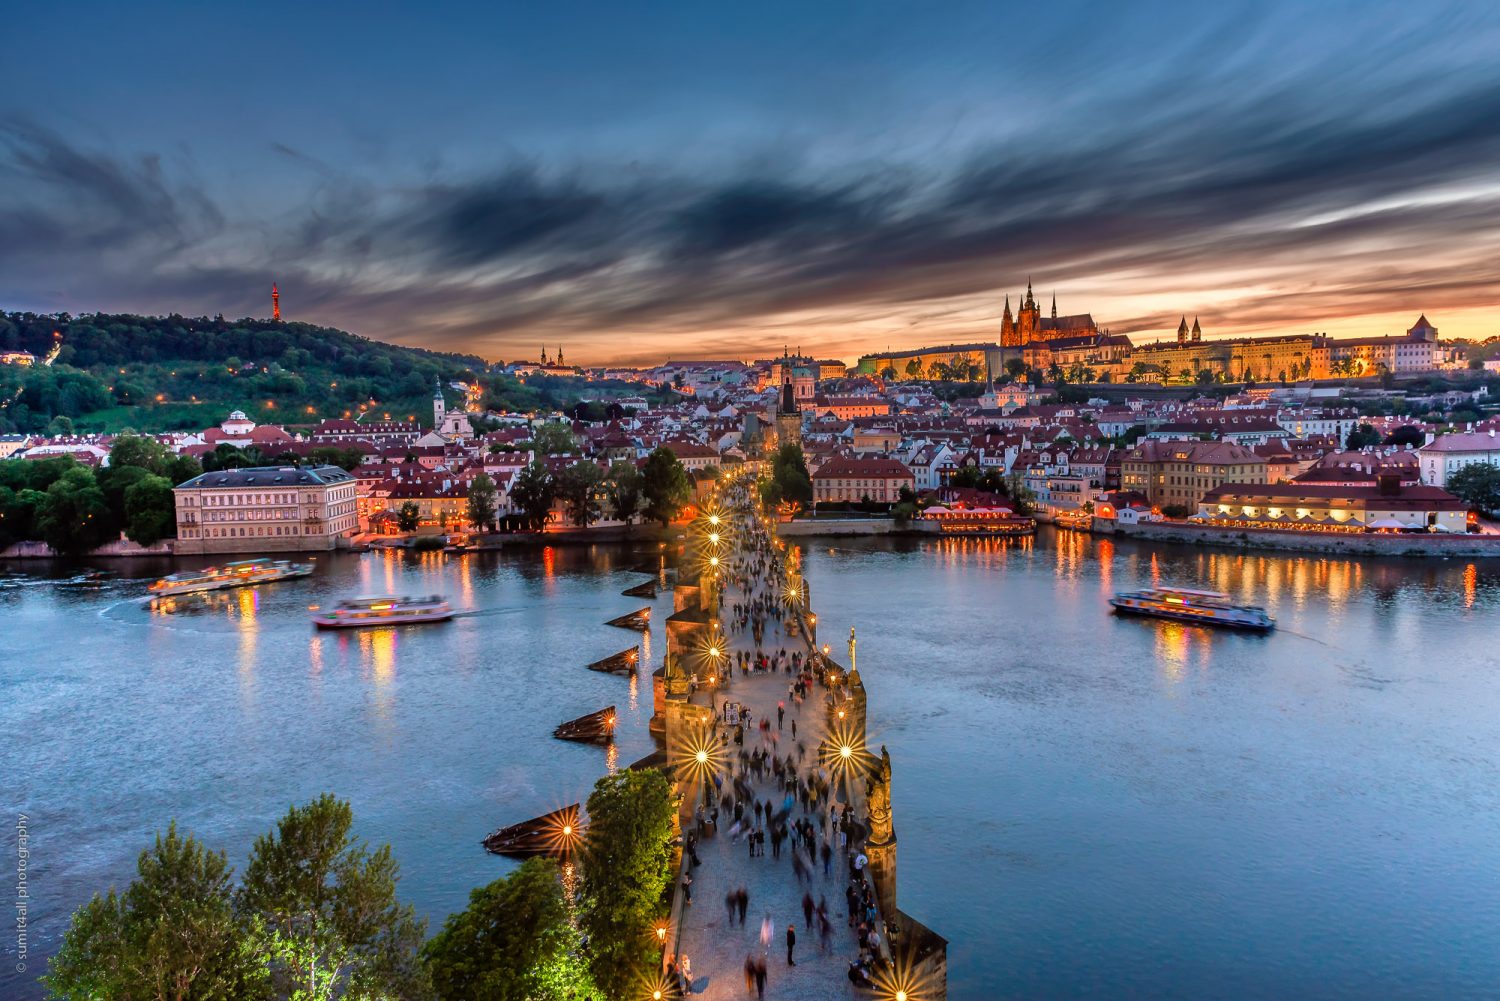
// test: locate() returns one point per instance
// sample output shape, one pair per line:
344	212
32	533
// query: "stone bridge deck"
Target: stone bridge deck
716	946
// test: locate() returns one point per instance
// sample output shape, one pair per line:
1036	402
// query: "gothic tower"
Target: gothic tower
1007	327
1197	331
275	303
788	411
439	405
1182	331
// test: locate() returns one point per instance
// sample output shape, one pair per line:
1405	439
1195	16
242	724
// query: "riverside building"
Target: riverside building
264	509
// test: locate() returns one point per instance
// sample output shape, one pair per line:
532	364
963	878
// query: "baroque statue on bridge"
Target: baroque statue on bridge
880	801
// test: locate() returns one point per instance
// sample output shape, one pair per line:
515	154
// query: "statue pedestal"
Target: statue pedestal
883	874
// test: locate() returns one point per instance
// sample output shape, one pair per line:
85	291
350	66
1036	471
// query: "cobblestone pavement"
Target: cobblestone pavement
716	946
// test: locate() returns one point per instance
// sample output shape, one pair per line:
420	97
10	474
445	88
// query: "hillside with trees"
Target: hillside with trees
164	373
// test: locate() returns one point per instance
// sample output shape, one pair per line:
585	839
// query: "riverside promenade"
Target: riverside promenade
803	826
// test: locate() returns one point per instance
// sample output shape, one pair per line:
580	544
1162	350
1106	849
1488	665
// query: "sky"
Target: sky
649	180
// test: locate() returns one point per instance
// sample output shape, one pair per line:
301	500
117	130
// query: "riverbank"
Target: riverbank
1366	544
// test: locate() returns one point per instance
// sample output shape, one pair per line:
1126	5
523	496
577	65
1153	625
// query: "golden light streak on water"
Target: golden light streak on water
1471	584
635	687
612	757
378	651
1172	650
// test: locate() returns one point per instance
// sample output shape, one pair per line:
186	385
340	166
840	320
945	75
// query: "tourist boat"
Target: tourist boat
241	573
384	610
1182	604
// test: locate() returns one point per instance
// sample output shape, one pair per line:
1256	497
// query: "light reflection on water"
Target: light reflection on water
1101	807
1087	807
222	709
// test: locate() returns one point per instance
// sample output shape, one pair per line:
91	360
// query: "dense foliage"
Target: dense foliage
514	942
160	373
173	933
482	503
665	486
75	508
315	919
789	481
1477	485
626	868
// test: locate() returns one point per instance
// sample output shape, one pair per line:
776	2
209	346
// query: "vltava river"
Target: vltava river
1086	807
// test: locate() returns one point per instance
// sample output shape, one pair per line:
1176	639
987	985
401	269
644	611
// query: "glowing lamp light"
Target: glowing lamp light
656	996
567	830
661	933
713	519
846	752
702	757
713	537
900	996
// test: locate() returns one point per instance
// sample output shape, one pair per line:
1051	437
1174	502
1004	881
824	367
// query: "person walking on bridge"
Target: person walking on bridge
791	943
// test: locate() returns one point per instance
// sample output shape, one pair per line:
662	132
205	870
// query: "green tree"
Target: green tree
665	485
789	480
626	868
914	369
533	493
150	511
1406	436
513	942
579	487
482	503
1477	485
1015	368
18	514
553	439
331	926
75	517
141	452
1362	436
173	935
330	455
623	487
888	374
408	516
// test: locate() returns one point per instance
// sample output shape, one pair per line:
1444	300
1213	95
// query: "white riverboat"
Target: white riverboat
241	573
383	610
1184	604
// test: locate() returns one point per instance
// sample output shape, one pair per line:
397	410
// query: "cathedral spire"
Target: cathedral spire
1054	305
1197	330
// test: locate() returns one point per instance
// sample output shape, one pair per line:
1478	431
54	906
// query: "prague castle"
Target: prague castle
1030	326
1076	345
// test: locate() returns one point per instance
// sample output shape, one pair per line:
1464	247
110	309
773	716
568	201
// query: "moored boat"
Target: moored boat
384	610
1183	604
241	573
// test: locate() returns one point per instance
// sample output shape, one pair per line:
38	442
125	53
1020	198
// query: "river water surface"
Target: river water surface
1085	806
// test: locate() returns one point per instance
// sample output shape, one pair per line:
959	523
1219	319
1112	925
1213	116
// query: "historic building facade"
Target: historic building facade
265	509
1029	325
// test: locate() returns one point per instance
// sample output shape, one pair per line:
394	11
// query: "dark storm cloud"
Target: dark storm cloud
1223	180
60	197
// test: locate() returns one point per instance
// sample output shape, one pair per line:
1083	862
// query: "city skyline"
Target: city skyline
702	184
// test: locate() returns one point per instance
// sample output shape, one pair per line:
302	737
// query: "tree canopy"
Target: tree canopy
665	485
626	869
1477	485
514	942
